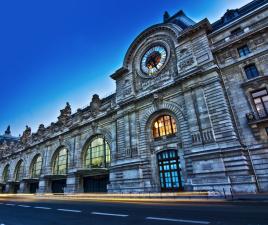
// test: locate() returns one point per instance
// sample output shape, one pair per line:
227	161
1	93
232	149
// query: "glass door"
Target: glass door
170	171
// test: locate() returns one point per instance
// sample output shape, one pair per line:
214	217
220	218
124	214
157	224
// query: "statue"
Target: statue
65	114
8	132
26	135
95	105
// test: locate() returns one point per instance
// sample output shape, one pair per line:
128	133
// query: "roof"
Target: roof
179	19
234	14
8	137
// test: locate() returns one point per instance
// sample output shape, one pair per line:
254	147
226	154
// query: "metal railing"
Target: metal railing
252	116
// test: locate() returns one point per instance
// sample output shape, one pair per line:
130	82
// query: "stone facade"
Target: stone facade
220	141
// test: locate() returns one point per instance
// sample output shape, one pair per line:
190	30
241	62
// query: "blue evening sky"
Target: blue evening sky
54	51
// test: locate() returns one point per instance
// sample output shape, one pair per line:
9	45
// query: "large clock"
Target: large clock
153	60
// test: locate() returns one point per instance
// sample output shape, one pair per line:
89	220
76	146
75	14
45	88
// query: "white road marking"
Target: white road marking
69	210
10	204
177	220
41	207
108	214
25	206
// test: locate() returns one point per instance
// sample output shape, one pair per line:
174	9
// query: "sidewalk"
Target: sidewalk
201	197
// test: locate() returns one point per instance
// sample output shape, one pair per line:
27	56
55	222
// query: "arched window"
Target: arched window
19	171
164	125
60	163
97	154
5	175
36	166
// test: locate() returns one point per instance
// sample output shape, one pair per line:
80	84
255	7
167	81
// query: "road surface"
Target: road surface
55	212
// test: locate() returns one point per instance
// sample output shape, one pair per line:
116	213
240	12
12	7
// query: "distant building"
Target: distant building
190	112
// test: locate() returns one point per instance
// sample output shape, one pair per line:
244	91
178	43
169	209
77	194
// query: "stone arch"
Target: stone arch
83	143
171	29
171	108
181	140
54	155
152	112
32	161
19	163
6	167
32	156
104	133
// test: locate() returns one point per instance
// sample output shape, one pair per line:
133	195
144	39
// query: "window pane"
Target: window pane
98	153
260	99
164	125
243	51
60	163
19	171
259	93
251	71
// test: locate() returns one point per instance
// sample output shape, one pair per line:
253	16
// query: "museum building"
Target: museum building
190	113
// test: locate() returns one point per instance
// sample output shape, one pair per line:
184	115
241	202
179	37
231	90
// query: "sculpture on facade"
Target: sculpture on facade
26	135
65	115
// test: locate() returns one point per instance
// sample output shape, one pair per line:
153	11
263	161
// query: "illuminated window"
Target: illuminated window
60	162
36	167
19	171
163	126
260	99
5	175
98	153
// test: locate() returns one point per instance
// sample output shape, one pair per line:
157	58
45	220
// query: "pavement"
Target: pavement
48	211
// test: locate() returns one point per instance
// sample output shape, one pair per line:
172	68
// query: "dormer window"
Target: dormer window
237	31
230	15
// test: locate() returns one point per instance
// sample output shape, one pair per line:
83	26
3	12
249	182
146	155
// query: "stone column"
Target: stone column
23	187
72	183
9	187
44	186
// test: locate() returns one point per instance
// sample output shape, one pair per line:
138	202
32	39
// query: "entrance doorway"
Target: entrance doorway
16	188
96	183
3	188
170	171
57	186
33	187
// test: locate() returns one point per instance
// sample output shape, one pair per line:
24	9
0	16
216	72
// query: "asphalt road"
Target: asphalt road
51	212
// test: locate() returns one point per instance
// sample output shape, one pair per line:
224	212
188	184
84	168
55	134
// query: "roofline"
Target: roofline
226	26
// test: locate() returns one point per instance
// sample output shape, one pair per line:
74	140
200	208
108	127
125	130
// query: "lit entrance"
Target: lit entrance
170	171
96	183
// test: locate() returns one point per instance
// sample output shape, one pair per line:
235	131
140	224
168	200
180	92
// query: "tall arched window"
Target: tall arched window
60	163
97	153
5	175
36	166
164	125
19	171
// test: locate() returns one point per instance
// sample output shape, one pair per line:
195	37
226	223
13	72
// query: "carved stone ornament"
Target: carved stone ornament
8	132
41	130
26	135
157	100
95	105
94	126
65	114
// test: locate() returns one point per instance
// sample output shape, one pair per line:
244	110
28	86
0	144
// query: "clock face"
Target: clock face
153	60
